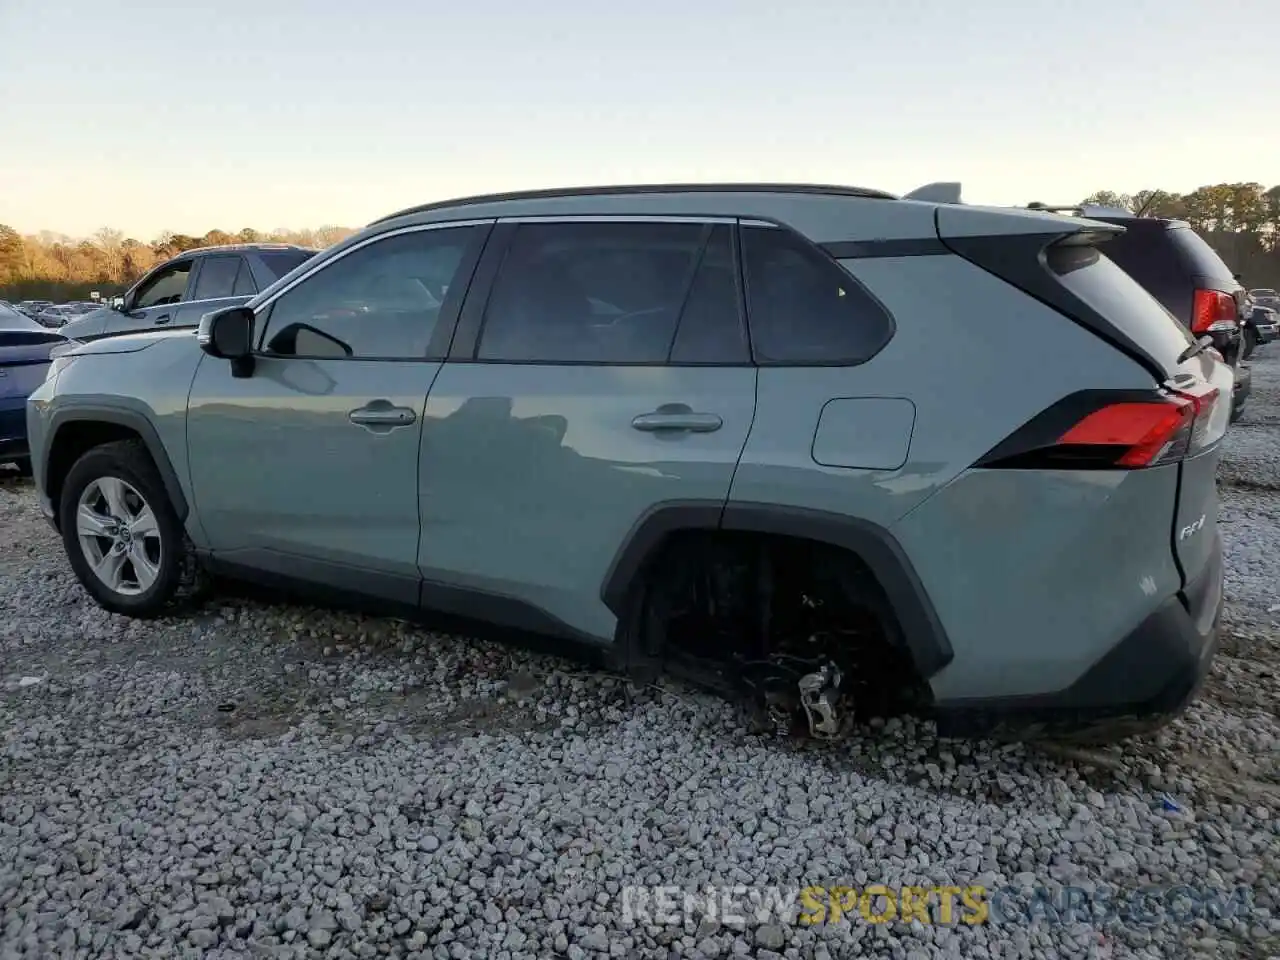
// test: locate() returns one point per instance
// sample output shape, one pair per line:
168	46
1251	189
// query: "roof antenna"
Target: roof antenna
941	192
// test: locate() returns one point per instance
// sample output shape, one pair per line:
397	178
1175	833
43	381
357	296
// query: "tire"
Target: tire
151	560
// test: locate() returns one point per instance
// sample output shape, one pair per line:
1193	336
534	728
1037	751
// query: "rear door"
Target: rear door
221	280
600	370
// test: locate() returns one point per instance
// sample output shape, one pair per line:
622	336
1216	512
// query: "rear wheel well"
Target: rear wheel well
72	441
749	613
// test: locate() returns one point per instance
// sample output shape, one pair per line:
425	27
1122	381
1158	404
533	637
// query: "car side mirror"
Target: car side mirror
228	335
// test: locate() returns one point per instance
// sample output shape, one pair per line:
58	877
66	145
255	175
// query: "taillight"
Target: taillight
1140	434
1213	310
1091	431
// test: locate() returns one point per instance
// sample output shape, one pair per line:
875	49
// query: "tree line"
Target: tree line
1240	220
50	266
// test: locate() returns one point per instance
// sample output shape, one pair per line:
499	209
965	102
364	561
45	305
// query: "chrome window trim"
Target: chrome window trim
367	241
617	218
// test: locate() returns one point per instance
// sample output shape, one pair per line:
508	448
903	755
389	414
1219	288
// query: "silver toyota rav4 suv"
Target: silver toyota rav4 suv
787	440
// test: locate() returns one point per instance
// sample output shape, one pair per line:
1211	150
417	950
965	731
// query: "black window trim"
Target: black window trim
891	329
438	346
246	269
466	343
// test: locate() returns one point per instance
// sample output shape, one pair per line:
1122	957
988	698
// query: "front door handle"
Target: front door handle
163	318
381	416
677	416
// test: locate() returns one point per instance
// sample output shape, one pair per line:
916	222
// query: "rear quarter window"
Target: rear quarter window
282	261
803	307
1097	280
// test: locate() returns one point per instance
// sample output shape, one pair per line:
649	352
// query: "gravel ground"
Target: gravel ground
265	780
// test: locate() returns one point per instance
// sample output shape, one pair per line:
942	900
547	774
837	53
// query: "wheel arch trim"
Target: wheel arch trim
130	419
923	632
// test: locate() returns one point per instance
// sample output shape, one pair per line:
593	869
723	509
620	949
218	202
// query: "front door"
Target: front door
610	375
309	466
154	302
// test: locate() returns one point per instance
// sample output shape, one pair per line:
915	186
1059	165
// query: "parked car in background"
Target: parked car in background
780	438
179	291
56	315
1186	275
24	362
1265	297
1264	325
33	307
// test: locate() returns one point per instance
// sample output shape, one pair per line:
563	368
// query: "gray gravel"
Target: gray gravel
265	780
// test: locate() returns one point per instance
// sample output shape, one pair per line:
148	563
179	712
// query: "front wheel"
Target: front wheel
122	536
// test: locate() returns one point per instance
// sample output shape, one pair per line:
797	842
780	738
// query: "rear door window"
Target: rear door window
711	326
803	307
606	292
244	286
217	277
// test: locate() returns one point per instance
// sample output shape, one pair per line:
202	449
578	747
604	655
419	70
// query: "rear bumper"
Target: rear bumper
1145	680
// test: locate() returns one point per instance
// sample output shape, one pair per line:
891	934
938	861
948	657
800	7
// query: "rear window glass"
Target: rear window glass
1263	292
281	262
1100	283
1199	258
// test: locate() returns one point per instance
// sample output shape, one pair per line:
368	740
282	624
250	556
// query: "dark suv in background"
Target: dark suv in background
180	291
1187	277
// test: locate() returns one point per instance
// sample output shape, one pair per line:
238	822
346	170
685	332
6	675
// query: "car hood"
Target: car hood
129	342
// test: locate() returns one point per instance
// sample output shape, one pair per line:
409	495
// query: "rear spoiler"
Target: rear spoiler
940	192
948	191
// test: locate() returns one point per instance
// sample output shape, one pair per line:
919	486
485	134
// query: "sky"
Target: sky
151	116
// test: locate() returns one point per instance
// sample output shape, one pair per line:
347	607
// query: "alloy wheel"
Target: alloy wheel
119	536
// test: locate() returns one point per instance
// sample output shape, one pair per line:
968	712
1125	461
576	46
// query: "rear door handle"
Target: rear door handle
163	318
381	416
677	416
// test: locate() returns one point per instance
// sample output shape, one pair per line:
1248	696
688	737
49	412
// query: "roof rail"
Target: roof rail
1085	210
625	189
940	192
245	245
